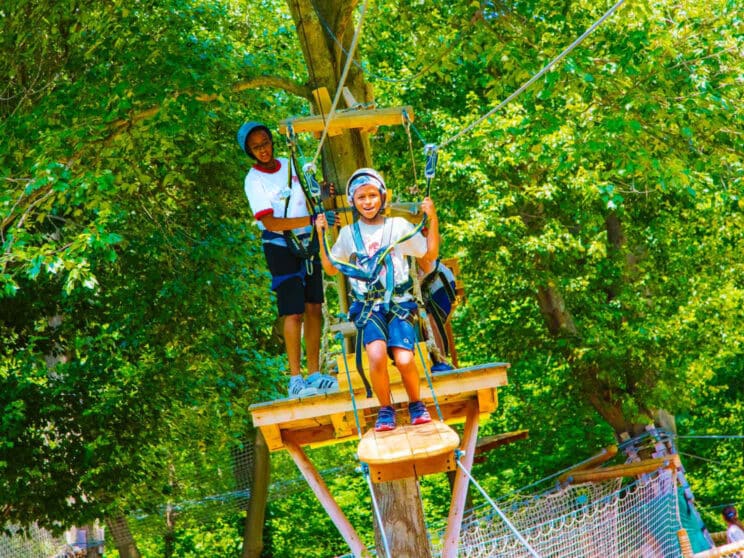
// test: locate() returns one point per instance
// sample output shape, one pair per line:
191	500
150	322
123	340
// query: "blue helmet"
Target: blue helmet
245	131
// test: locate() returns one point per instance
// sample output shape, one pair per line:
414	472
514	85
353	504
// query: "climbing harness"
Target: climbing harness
303	246
439	276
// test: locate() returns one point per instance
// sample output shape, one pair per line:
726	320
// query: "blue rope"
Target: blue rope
428	376
339	336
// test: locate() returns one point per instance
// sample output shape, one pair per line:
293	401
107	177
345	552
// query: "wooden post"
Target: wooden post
460	491
684	544
315	481
119	529
254	521
403	520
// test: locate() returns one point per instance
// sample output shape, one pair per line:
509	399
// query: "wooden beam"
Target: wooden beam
460	488
488	400
488	443
725	550
605	455
628	470
349	119
324	103
316	482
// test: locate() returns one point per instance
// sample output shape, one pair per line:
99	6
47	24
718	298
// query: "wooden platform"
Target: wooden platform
409	451
329	418
463	395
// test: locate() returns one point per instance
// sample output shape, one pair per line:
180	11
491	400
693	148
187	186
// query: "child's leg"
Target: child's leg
378	373
406	364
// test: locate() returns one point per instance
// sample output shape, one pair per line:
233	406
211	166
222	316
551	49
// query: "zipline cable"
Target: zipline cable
339	89
534	78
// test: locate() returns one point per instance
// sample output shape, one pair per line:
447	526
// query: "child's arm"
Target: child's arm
321	224
432	236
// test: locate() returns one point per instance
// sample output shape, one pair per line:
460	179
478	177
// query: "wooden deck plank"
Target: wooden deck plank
328	418
407	443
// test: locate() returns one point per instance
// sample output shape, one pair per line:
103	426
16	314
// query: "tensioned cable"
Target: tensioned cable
339	88
711	437
364	466
418	74
537	76
505	519
705	459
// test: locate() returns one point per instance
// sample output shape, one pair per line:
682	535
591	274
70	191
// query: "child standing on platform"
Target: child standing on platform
280	207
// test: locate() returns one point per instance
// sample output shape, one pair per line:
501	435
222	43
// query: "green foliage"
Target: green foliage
135	314
135	318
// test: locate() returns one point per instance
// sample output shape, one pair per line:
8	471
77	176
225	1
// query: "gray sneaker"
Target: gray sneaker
322	382
298	387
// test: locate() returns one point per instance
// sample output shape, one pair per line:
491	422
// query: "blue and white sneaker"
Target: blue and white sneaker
298	387
385	419
322	382
418	412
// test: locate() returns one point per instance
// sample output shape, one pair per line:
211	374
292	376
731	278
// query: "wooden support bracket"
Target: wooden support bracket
341	121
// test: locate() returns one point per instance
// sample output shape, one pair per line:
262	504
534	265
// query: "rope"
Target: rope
496	508
430	344
339	89
340	337
376	507
407	126
537	76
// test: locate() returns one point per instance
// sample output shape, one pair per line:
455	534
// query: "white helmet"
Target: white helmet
365	177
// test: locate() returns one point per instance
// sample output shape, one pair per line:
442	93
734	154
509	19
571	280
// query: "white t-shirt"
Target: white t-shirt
267	193
375	237
734	533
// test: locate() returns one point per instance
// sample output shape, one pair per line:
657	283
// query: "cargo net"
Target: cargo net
32	542
211	489
587	520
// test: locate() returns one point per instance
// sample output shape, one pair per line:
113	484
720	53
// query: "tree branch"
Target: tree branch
293	87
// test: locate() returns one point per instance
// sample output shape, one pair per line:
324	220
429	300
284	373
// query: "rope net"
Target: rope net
586	520
32	542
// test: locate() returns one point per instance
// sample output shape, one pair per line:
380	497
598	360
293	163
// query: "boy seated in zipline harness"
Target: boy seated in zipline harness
372	253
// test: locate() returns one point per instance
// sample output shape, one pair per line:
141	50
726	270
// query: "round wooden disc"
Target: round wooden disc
407	443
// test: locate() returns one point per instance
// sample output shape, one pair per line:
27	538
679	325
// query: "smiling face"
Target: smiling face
259	144
368	201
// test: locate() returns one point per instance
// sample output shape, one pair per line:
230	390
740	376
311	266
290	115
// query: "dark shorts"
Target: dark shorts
441	298
291	281
401	332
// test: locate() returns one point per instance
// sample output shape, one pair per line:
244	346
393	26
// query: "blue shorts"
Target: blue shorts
401	332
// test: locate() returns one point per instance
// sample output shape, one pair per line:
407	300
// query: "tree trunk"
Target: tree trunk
170	532
400	501
125	544
253	533
403	520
